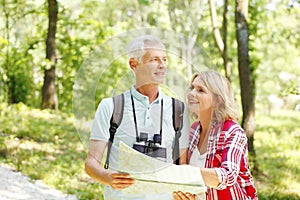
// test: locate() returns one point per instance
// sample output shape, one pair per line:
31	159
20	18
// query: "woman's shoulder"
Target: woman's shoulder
231	126
229	123
233	129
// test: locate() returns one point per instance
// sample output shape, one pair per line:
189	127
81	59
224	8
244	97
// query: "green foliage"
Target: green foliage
254	25
83	26
19	75
17	71
277	49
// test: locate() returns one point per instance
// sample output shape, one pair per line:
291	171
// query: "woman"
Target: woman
218	145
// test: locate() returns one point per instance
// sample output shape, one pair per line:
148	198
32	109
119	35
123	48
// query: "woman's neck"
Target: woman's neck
205	120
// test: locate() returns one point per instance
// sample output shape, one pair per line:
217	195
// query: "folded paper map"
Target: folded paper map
154	176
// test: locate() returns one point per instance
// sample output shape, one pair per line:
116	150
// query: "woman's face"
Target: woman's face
199	97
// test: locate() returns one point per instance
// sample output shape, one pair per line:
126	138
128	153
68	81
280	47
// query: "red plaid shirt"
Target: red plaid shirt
227	153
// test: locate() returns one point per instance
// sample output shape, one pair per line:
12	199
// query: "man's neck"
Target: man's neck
151	91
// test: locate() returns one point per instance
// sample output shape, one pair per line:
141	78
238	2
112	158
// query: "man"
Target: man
146	110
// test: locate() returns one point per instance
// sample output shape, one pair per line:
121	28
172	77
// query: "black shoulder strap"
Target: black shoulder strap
115	121
178	110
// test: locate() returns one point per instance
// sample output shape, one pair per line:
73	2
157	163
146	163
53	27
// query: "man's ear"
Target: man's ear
132	63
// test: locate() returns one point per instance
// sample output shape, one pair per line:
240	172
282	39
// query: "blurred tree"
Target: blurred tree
79	32
245	73
49	96
221	41
277	51
185	19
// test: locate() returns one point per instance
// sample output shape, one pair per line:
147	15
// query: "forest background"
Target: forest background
53	75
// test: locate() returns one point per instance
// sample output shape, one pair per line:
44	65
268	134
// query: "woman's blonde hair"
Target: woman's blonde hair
224	103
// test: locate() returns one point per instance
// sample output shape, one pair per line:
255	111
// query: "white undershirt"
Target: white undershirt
197	159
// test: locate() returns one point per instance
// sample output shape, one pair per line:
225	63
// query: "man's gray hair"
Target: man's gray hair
138	46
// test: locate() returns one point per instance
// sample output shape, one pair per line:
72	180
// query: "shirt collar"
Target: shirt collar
136	94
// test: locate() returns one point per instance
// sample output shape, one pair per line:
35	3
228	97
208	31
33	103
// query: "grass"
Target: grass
277	144
45	145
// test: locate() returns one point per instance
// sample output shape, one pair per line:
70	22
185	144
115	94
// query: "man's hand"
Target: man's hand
183	196
119	181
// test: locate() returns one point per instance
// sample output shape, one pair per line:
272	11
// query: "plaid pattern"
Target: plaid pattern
227	152
194	137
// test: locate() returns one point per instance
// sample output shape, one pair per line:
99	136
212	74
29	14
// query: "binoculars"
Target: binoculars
151	147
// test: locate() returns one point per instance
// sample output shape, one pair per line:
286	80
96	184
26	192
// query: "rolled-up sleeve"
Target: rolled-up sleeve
234	147
100	127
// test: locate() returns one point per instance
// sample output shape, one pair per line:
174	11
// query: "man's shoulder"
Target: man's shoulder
105	105
109	100
105	101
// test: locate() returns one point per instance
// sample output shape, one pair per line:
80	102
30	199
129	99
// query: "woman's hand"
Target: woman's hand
119	181
183	196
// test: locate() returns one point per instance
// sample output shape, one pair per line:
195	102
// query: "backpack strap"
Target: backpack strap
115	121
178	110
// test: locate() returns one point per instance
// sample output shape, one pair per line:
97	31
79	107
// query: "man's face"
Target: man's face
152	70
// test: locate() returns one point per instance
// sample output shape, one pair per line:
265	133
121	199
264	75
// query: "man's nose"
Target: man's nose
162	63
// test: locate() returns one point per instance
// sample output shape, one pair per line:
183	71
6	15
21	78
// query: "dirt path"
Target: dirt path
15	186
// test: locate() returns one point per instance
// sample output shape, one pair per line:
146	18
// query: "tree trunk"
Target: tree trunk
245	74
216	31
226	64
49	96
220	42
